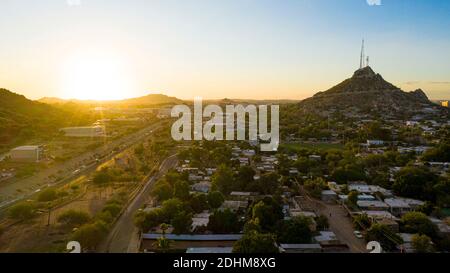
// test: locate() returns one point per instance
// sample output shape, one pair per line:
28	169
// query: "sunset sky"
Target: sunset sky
261	49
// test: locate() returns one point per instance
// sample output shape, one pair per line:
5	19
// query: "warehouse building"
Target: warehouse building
26	154
90	131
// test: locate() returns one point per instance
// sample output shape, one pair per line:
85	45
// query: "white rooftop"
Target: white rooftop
26	148
377	204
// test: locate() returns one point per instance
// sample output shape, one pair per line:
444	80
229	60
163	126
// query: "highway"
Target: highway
124	237
13	191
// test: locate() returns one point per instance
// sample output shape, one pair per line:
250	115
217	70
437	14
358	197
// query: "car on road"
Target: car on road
358	234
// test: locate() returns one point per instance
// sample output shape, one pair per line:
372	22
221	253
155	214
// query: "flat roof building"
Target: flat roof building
372	205
26	154
189	241
88	131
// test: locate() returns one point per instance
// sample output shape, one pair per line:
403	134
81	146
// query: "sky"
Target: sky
253	49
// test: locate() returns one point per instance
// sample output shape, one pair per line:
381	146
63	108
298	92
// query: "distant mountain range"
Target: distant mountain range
367	91
152	99
21	118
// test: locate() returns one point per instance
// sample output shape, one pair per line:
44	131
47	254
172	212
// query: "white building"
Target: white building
89	131
26	154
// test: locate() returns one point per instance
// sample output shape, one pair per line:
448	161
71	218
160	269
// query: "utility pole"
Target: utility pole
48	219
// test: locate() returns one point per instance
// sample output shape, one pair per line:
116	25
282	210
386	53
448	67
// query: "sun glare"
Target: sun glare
96	76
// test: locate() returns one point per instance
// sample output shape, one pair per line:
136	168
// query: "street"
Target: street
338	221
124	237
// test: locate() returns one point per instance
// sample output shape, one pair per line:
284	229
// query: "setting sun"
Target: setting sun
96	76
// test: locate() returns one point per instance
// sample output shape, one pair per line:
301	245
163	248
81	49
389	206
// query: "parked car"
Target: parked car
358	234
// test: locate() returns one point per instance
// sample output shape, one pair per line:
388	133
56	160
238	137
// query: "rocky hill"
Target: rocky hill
367	92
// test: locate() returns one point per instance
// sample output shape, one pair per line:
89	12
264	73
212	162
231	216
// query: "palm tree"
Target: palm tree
162	243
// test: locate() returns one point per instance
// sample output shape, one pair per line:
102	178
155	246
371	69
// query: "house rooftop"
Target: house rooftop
194	237
208	250
26	148
377	204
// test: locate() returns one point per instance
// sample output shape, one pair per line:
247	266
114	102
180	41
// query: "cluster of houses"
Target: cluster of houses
381	206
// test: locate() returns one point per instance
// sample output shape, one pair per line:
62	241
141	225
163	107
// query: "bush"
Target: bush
114	209
322	222
421	243
22	211
255	242
162	191
315	187
102	177
224	221
147	220
73	218
361	221
90	235
295	231
105	216
182	222
48	195
215	199
384	235
417	222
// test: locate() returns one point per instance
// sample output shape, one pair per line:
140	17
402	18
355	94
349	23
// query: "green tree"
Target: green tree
199	202
256	243
415	182
322	222
353	198
315	186
268	212
388	239
440	153
182	222
224	221
222	179
361	221
268	183
73	218
171	207
421	243
162	191
148	220
295	231
102	177
90	235
113	209
22	211
48	195
244	178
417	222
181	190
215	199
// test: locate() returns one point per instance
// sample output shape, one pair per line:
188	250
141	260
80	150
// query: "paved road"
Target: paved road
9	190
124	237
339	223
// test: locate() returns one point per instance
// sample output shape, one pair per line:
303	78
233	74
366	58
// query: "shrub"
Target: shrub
90	235
114	209
48	195
22	211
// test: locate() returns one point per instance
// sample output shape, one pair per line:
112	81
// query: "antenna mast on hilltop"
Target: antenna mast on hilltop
361	60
